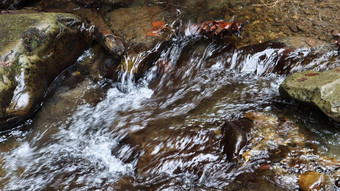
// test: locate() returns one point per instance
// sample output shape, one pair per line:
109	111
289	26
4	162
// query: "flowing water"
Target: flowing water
161	131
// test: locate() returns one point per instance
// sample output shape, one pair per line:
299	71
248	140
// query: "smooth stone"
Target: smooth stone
34	50
235	137
321	89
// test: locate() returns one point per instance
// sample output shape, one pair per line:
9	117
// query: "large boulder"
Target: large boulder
321	89
34	49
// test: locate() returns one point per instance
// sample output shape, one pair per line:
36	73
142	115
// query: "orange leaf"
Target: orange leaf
265	167
158	24
223	24
302	79
104	32
311	74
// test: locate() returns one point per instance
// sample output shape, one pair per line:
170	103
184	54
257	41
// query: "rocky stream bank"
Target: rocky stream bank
175	98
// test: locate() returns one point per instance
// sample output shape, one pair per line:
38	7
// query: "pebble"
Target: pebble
323	37
293	27
302	28
335	32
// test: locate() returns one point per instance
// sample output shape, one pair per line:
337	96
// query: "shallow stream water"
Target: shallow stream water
162	131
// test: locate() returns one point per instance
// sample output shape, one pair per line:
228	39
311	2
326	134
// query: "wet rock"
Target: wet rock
320	89
269	137
235	137
136	26
35	48
306	43
94	17
103	2
133	24
293	27
282	56
312	181
283	153
335	32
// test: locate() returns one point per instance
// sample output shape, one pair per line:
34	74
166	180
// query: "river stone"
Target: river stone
312	181
235	137
34	49
321	89
300	42
132	24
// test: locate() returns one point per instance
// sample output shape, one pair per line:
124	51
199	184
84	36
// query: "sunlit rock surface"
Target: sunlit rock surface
35	48
321	89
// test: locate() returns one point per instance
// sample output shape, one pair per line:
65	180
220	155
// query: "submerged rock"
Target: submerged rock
284	155
321	89
312	181
235	137
35	48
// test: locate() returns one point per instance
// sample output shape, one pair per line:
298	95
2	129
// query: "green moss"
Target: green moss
32	39
12	26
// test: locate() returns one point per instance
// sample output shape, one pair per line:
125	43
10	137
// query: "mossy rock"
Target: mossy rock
34	49
321	89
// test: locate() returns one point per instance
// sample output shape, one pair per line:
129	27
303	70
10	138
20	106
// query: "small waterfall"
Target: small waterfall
172	114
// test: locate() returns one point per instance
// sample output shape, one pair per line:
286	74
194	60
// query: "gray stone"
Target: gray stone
34	49
321	89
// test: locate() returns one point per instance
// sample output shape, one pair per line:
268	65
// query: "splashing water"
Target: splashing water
159	132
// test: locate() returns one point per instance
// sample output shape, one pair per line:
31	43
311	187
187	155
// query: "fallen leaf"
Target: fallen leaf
265	167
158	24
7	12
216	28
311	74
104	32
5	64
302	79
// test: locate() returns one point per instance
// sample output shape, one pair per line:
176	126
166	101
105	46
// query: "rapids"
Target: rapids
161	130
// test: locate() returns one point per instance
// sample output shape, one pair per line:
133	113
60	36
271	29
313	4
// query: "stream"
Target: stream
163	130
